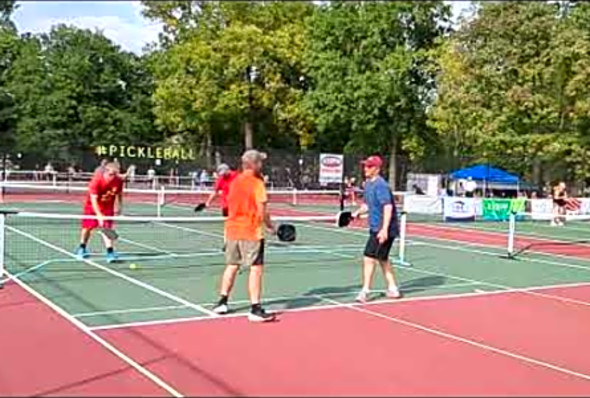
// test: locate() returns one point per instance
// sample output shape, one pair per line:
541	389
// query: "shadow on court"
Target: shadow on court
345	294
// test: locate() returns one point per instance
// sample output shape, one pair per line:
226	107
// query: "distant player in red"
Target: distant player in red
225	176
104	199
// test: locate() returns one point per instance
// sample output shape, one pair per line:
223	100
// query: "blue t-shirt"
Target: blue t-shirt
377	195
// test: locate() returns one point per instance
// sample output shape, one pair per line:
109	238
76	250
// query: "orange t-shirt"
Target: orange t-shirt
244	221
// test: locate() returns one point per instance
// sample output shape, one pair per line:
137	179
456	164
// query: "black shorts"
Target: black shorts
559	202
225	212
376	250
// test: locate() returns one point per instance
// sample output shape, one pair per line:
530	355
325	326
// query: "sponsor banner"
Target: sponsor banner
459	208
500	209
331	168
422	204
540	208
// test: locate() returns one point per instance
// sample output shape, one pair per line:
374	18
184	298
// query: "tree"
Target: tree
371	82
9	45
74	89
231	67
511	89
7	7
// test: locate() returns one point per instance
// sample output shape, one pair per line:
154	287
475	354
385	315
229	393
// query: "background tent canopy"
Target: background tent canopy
485	173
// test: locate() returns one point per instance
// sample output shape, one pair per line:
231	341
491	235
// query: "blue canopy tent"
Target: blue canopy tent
487	175
482	172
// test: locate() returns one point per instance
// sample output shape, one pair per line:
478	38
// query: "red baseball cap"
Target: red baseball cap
373	161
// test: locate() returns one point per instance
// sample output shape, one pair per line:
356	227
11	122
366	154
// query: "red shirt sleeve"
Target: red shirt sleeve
218	185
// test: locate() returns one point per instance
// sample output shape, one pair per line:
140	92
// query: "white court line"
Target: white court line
565	256
533	235
128	311
118	274
153	248
496	254
238	302
474	343
104	343
336	306
197	231
495	285
424	241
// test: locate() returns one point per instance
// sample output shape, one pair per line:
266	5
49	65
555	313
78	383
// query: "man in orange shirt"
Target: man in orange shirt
244	231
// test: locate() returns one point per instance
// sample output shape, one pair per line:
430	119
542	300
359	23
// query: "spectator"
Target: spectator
49	171
71	172
470	187
130	173
151	177
204	178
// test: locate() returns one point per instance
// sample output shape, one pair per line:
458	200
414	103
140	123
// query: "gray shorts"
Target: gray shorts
244	252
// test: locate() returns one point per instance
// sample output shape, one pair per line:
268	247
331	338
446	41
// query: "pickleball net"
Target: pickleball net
530	233
34	245
155	202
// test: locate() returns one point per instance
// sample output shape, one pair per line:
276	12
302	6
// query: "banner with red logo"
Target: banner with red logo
331	168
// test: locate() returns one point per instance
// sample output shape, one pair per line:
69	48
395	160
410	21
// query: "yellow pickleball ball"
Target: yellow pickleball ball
133	266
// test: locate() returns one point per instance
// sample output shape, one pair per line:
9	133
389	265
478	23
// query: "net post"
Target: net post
160	200
2	245
294	196
511	233
402	239
54	178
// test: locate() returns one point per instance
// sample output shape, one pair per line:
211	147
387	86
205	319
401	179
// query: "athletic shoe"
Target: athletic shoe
393	293
221	309
261	316
362	297
82	252
112	257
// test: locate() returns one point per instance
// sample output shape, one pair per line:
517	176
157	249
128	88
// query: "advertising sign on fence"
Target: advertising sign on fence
459	209
500	209
331	168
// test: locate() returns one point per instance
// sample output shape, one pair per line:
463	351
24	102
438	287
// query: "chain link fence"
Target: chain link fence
286	169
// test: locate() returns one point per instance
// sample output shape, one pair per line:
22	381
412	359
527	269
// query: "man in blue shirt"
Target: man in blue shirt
383	228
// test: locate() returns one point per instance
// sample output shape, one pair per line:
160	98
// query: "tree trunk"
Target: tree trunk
208	149
537	176
248	135
393	163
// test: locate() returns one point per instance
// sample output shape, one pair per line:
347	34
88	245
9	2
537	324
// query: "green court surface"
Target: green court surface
179	265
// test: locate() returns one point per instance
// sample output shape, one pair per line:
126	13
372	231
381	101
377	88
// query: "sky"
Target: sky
120	21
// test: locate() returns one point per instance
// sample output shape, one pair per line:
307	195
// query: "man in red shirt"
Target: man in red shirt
224	179
104	191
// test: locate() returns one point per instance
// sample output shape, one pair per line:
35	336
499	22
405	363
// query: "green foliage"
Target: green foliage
370	77
7	7
203	89
74	89
512	88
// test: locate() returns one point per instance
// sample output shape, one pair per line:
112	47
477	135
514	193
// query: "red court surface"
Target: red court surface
45	354
508	343
366	351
